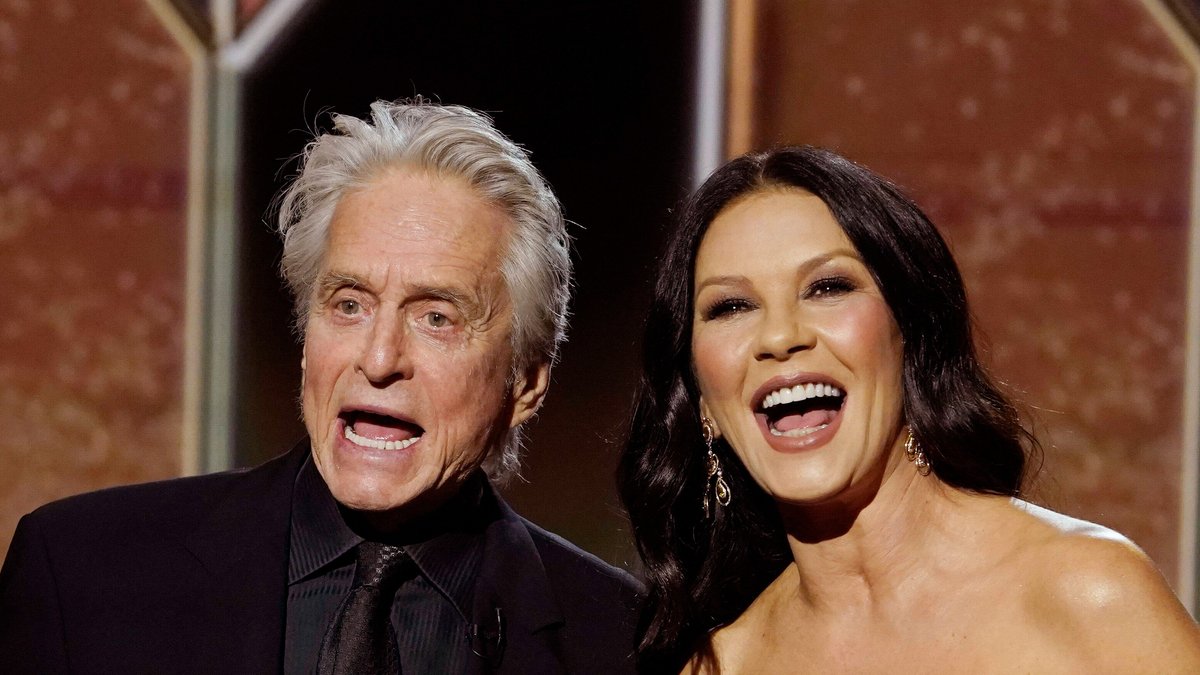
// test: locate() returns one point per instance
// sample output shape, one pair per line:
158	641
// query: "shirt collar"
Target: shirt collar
320	536
447	546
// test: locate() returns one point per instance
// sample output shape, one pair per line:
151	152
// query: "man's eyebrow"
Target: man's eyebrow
454	296
331	281
469	302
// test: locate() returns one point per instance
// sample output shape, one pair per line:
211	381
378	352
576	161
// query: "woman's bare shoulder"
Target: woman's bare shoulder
1092	590
723	648
704	662
717	653
731	647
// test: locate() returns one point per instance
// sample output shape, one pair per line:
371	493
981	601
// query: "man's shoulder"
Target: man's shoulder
158	505
567	562
571	571
598	598
599	603
150	498
125	574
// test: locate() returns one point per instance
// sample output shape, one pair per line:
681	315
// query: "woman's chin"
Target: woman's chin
815	492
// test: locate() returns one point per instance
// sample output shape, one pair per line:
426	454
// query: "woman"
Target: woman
822	478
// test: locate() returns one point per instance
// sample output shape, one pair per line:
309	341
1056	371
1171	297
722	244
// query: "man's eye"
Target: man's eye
348	306
830	287
437	319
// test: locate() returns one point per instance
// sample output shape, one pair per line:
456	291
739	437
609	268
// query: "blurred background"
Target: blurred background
144	331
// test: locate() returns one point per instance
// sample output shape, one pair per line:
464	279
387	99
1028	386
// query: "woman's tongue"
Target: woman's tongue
812	418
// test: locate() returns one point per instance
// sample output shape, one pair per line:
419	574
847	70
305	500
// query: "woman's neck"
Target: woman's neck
877	550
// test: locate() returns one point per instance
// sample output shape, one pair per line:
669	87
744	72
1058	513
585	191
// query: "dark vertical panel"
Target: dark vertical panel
599	93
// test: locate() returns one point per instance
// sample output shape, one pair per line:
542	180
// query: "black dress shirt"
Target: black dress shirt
430	612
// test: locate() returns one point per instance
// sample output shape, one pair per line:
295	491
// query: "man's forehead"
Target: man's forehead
423	199
412	279
407	214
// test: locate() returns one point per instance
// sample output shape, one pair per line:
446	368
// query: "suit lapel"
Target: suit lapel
513	580
243	545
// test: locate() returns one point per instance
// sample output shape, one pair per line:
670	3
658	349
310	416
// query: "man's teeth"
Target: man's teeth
799	392
376	443
797	433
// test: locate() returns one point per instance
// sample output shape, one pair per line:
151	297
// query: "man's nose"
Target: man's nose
385	356
783	333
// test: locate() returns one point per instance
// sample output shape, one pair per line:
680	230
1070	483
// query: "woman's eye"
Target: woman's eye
830	287
348	306
726	307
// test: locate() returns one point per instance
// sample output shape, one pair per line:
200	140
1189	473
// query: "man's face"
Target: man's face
407	353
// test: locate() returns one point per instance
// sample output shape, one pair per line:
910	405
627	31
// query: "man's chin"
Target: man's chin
390	506
356	498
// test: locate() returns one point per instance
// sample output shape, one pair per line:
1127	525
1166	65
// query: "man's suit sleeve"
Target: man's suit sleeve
31	626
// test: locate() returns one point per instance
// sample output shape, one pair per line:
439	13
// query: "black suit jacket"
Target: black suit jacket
190	575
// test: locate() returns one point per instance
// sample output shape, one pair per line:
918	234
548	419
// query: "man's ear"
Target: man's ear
528	392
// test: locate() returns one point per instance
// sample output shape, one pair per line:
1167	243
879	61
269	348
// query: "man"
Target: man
429	264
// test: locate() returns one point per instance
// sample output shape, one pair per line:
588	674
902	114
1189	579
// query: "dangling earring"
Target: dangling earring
715	480
915	454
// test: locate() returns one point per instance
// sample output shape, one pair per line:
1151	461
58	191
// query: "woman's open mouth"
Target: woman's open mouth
801	410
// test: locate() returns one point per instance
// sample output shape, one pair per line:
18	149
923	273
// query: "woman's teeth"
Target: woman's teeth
376	443
799	392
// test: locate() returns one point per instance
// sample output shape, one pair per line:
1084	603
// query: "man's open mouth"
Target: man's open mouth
802	409
378	431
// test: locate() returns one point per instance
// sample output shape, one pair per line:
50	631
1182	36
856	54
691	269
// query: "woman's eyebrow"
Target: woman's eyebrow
804	268
723	280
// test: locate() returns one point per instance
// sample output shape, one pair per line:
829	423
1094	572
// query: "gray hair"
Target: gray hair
447	141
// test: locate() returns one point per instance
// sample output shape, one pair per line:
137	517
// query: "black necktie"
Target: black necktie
360	639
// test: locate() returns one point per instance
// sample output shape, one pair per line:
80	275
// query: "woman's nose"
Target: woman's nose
782	334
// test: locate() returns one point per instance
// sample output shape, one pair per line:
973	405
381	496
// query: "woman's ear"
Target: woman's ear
705	414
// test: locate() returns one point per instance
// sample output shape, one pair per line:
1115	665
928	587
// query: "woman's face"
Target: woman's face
796	353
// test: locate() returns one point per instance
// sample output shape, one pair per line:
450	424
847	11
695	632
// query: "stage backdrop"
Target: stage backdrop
1052	141
94	115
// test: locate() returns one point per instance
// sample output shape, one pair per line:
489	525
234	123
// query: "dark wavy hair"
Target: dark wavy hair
703	573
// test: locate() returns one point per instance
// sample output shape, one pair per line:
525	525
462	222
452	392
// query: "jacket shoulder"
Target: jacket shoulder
158	500
600	605
105	518
574	566
159	504
102	576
